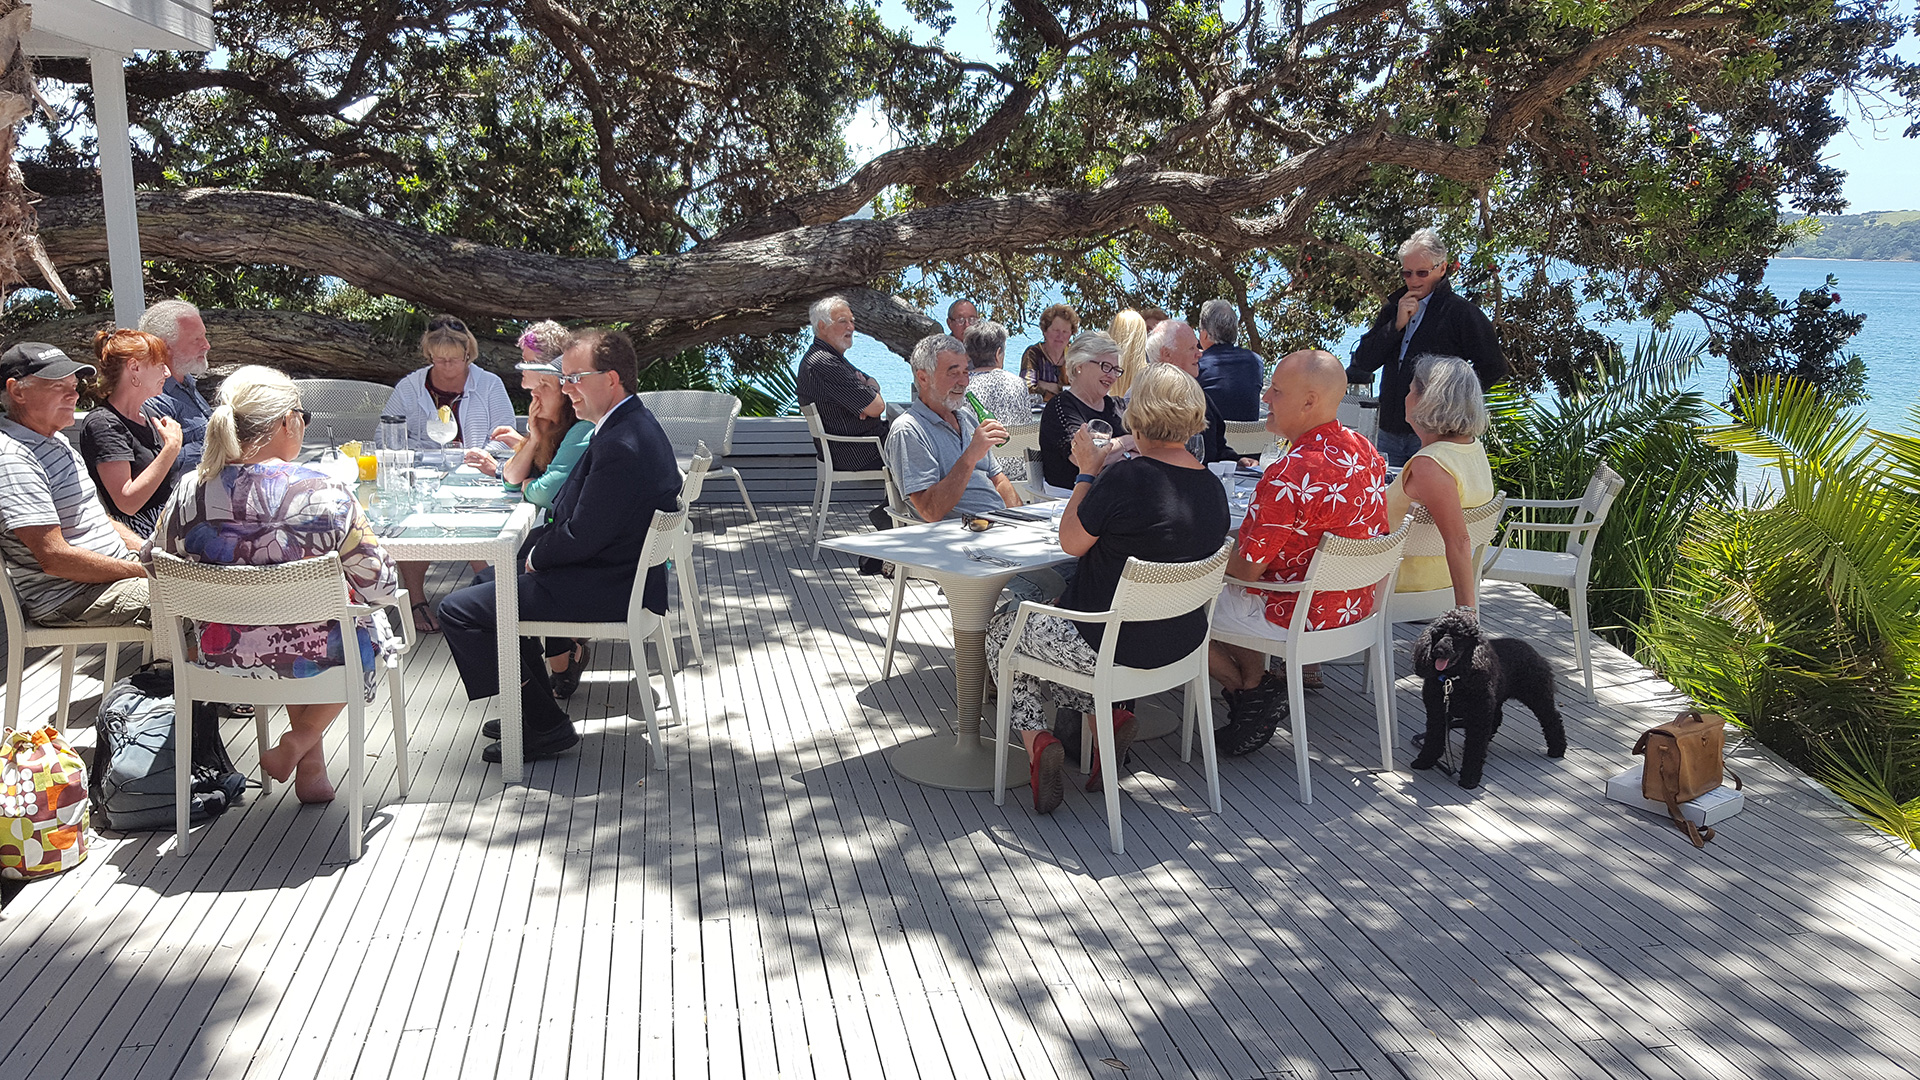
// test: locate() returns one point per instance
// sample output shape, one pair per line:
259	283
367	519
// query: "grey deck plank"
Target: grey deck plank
777	902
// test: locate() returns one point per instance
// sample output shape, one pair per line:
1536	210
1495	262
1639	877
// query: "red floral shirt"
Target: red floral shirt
1331	481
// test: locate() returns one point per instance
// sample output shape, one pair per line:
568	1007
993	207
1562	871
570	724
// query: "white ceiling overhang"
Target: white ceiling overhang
81	27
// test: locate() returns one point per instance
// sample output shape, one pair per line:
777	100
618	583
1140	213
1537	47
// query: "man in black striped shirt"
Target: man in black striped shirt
71	565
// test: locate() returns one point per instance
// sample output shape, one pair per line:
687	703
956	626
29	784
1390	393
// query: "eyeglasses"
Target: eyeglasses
974	524
446	322
568	379
1111	369
1418	273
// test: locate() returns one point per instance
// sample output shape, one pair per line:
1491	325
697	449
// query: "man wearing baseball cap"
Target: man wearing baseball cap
71	564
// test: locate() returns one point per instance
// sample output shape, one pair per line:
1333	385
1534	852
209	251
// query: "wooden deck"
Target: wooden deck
777	903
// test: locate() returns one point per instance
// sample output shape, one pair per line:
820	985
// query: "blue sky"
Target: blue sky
1880	165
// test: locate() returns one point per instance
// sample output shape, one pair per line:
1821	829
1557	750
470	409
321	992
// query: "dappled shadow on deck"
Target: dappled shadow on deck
777	902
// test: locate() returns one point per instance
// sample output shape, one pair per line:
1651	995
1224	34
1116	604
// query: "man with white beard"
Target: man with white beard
939	452
178	323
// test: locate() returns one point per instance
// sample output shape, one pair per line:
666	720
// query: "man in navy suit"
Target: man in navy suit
579	566
1233	378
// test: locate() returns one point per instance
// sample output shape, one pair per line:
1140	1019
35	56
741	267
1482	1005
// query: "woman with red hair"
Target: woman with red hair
129	455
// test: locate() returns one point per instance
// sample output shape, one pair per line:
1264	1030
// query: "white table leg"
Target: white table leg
506	607
963	761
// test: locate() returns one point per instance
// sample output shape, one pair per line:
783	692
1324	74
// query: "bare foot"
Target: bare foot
279	761
310	783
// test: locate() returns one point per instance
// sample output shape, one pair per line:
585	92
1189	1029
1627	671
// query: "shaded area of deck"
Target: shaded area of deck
777	903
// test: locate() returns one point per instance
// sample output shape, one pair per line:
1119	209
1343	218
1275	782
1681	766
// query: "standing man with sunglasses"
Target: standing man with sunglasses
1424	316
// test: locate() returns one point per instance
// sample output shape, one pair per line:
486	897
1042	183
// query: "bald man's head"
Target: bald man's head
1305	392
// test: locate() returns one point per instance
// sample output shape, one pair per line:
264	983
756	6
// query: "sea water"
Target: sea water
1888	293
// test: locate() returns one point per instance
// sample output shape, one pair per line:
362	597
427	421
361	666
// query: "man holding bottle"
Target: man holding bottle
940	451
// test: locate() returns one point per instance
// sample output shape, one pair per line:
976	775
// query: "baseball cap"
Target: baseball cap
41	359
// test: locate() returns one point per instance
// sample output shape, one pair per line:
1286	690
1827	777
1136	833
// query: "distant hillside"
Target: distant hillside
1886	235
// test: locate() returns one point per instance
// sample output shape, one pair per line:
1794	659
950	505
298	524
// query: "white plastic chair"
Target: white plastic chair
1560	569
307	591
23	635
639	627
825	474
694	417
1148	591
902	513
1020	439
349	406
1424	541
1241	434
1338	564
696	475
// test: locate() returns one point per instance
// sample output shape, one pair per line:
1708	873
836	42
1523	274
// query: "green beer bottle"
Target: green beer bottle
980	413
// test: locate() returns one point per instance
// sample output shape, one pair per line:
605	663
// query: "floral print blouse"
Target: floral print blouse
1331	481
277	512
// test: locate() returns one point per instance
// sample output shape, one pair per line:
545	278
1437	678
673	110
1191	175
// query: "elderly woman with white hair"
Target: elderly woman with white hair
1090	366
1449	474
1160	506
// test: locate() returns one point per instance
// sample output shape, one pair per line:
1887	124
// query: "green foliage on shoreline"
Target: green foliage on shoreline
1886	235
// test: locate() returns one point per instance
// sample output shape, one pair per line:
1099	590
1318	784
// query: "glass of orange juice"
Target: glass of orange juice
369	467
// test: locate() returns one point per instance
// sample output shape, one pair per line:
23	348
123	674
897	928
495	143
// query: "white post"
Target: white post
115	140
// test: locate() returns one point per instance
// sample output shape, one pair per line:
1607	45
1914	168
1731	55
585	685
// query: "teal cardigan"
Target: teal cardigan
541	489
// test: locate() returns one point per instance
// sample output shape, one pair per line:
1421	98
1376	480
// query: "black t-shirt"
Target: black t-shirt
840	391
1058	421
1154	511
105	435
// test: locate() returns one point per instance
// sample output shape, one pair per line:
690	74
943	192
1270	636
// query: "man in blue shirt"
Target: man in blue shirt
940	453
178	323
1424	316
1230	376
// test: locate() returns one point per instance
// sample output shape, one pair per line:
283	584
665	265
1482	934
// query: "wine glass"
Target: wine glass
442	432
1101	433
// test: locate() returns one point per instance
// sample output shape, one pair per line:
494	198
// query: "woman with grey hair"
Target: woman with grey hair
1449	474
1087	370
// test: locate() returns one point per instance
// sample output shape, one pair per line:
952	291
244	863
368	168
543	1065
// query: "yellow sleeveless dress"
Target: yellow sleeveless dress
1467	464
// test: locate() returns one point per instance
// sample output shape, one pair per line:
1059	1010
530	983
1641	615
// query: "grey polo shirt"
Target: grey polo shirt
922	449
44	482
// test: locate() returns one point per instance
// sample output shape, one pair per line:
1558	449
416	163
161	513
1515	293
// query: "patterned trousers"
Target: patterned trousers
1054	640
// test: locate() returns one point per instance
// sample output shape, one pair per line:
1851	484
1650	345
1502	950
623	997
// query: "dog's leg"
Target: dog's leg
1433	692
1483	719
1551	724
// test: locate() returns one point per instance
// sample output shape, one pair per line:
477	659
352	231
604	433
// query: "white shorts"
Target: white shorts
1239	611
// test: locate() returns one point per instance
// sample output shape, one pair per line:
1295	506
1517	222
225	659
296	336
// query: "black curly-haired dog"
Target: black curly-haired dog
1467	679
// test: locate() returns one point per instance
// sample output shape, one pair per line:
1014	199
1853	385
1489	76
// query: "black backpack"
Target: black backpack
131	783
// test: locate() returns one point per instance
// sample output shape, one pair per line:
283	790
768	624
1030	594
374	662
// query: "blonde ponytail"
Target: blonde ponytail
252	401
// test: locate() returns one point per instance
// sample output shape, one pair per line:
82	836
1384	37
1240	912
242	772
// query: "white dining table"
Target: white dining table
971	568
491	535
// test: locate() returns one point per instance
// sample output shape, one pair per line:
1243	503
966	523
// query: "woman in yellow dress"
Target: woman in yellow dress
1449	475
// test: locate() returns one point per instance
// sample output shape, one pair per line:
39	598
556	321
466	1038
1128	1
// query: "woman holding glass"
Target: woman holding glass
251	503
478	403
1090	365
542	460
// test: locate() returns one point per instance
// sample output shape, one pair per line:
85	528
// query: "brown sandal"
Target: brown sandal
432	626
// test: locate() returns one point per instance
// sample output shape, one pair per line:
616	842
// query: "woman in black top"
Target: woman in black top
1091	365
1161	506
129	456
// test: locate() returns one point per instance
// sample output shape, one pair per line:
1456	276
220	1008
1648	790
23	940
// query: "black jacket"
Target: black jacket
591	546
1452	326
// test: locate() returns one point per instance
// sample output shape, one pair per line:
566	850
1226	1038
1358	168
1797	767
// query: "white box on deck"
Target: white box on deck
1717	805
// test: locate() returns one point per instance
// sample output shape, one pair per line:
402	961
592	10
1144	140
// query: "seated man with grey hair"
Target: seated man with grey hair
940	454
1173	342
849	399
1231	376
1424	316
179	324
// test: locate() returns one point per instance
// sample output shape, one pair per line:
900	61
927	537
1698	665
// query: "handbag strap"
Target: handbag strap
1670	772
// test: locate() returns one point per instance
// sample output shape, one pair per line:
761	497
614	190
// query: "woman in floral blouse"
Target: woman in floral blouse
251	504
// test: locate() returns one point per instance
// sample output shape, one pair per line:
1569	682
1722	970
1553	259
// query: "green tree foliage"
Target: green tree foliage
1798	615
1642	419
1623	153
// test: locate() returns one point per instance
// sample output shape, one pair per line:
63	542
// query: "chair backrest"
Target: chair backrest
694	416
1341	563
658	549
1242	434
1360	415
348	406
1161	590
696	474
898	507
1483	523
1020	439
307	591
10	602
814	427
1595	503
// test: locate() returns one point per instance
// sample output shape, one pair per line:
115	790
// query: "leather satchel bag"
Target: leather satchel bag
1686	758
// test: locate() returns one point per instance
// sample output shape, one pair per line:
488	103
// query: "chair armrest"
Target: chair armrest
1544	504
1547	526
401	600
874	439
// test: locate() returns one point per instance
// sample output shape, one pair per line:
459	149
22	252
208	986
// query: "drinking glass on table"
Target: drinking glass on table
442	429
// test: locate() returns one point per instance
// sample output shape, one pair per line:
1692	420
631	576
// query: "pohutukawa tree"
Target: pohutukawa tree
679	166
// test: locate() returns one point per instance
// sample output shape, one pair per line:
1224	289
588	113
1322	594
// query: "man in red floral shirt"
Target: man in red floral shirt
1331	480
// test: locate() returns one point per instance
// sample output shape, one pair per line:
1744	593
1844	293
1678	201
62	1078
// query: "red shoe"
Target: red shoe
1124	729
1047	772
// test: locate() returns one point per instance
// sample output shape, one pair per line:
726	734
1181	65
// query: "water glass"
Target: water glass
1101	433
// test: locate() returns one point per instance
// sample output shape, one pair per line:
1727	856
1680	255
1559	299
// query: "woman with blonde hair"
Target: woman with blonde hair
1129	331
1161	506
129	455
250	503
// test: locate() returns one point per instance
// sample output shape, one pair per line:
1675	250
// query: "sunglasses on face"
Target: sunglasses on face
447	322
1416	273
573	377
306	417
